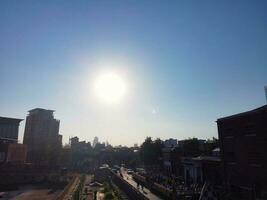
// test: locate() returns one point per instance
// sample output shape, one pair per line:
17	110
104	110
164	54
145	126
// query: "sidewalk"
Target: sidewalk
145	190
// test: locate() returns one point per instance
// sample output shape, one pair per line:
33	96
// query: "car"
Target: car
116	167
3	194
141	170
129	171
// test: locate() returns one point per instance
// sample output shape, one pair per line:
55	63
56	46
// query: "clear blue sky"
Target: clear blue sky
186	64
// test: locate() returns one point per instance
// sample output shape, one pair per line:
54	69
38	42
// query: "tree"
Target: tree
150	151
191	147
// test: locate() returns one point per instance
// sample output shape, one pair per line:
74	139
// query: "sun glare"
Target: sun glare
110	88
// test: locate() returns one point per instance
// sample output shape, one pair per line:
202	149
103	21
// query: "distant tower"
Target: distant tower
95	141
265	88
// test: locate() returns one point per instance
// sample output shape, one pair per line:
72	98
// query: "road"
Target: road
145	190
85	194
72	189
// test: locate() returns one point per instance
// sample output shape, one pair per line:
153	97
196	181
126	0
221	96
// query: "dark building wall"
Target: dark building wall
243	143
9	128
42	136
12	153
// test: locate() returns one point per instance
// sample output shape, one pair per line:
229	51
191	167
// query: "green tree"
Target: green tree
150	151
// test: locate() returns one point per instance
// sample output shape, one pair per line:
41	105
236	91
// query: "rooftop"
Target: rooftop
9	120
41	109
200	158
257	110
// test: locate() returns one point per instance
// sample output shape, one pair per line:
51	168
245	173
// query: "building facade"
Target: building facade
42	136
12	153
9	128
243	145
10	150
77	145
171	158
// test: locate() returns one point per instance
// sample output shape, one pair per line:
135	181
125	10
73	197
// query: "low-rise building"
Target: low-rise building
12	153
199	169
172	161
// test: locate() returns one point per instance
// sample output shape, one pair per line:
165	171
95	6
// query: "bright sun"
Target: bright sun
110	88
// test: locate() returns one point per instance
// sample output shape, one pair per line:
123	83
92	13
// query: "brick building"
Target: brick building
243	144
12	153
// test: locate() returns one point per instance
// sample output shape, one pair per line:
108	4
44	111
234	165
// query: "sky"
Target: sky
184	63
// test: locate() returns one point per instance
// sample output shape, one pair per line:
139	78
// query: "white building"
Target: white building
95	141
170	143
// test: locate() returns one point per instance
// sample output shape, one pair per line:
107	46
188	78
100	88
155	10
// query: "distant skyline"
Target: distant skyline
184	63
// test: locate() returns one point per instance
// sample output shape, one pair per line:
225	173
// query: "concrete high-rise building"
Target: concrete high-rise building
9	128
95	141
41	135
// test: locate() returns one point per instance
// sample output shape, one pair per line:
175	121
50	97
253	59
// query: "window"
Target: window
230	157
228	132
254	158
228	144
2	156
250	129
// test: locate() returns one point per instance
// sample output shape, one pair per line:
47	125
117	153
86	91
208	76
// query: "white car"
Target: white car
129	171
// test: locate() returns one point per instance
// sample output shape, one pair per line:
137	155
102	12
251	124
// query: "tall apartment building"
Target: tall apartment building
243	144
41	136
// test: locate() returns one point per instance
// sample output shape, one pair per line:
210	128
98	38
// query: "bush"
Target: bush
108	196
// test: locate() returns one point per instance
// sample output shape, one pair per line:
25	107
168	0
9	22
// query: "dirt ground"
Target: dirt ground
37	194
31	192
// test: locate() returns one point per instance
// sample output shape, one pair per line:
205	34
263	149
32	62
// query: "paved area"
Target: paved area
41	194
85	191
145	190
